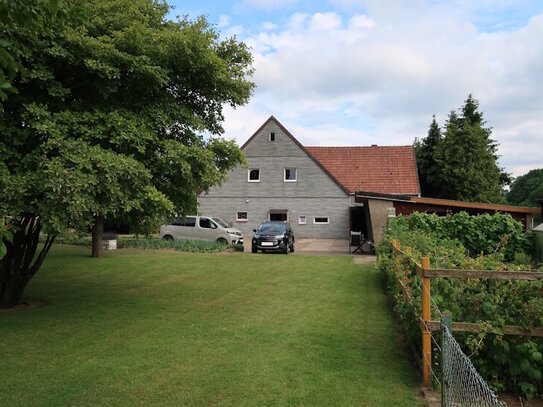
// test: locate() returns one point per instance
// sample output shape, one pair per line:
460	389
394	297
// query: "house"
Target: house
313	188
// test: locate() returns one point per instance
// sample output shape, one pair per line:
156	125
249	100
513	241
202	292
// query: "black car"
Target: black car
273	235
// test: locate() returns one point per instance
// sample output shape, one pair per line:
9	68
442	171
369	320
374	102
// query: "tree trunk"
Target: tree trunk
20	263
97	233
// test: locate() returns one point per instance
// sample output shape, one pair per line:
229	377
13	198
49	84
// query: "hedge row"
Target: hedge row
193	246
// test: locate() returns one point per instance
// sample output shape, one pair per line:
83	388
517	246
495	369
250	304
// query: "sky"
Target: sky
362	72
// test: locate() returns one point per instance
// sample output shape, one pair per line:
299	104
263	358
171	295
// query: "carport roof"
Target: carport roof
380	169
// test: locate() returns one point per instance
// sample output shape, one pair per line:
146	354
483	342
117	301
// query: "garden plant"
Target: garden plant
484	242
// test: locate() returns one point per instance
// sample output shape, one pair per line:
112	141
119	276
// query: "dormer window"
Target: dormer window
253	175
272	137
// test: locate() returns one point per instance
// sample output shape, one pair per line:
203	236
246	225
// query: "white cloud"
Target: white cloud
270	4
324	22
378	77
269	26
224	21
361	22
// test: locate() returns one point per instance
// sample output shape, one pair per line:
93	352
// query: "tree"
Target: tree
471	115
467	160
527	189
429	175
118	113
30	16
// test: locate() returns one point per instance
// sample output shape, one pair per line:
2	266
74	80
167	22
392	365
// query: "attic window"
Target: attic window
272	137
253	175
290	175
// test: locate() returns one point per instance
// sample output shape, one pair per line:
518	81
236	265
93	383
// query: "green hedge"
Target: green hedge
481	243
194	246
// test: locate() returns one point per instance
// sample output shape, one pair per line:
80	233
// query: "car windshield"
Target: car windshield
221	222
272	227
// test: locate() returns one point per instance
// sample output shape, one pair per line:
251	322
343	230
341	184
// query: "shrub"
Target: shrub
194	246
508	363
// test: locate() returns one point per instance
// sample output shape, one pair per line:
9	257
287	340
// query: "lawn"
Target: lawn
170	328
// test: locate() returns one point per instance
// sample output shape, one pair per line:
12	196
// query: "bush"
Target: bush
194	246
508	363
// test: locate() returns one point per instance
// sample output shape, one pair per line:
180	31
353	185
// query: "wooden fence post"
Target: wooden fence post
426	338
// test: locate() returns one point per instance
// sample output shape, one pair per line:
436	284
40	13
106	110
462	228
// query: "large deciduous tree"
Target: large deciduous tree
118	112
527	189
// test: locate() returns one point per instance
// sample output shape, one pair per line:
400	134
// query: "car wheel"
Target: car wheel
167	237
254	249
285	249
222	240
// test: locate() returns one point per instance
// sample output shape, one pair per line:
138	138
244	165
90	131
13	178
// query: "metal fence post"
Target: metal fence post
446	321
426	338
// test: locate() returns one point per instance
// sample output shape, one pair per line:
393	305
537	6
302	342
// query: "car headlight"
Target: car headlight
280	237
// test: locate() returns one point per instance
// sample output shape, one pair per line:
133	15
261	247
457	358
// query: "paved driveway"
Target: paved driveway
314	246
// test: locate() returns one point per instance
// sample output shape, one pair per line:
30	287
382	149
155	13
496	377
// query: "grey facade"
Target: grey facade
314	195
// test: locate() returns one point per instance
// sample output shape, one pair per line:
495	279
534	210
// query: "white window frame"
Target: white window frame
238	219
300	221
321	223
249	175
270	137
285	174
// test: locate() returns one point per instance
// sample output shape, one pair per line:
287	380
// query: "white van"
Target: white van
206	228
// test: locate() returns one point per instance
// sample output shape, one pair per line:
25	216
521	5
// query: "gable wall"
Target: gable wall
271	158
314	193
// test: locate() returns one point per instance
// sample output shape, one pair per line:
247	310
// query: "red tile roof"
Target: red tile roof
381	169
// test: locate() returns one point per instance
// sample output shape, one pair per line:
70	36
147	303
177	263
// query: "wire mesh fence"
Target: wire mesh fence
461	383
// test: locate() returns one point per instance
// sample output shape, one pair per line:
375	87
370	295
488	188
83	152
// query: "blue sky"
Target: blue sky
360	72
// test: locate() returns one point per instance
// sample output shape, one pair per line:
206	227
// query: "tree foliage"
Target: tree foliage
425	150
30	16
463	163
118	114
527	189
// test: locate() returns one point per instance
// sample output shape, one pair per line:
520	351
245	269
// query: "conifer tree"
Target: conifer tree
467	159
425	149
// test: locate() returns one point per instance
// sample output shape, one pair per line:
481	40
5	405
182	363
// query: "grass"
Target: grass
170	328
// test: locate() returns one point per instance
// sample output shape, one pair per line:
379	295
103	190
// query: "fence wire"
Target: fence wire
462	384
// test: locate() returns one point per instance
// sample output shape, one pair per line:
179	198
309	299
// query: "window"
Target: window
241	216
253	175
320	220
290	175
301	220
272	137
178	222
189	221
206	223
